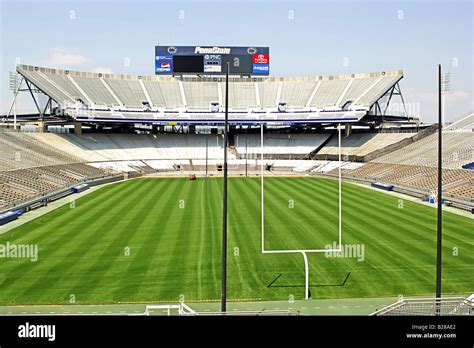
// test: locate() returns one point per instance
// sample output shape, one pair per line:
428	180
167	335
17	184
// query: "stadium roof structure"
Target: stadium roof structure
100	97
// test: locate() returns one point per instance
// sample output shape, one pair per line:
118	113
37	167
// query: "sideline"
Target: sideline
341	306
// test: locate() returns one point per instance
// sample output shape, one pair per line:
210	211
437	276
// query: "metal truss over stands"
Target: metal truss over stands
98	97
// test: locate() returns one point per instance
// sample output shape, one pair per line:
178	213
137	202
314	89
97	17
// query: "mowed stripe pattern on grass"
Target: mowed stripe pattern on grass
153	240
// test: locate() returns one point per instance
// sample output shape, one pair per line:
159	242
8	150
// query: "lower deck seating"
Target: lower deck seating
457	183
23	184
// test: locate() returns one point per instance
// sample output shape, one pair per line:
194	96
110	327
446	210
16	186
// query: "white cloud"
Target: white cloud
457	96
101	69
60	58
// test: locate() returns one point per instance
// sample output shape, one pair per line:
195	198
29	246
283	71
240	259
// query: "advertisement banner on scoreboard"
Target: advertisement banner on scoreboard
212	63
261	58
261	69
164	64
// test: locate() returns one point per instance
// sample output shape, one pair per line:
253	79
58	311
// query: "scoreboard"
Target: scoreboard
176	60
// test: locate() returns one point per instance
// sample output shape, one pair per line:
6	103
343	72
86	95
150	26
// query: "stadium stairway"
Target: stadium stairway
312	154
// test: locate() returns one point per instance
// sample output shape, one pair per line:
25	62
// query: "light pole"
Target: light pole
14	86
224	205
246	151
207	146
440	192
445	87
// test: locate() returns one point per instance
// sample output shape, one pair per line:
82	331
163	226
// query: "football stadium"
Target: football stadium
118	185
213	186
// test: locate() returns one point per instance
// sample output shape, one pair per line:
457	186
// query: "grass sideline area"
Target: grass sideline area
158	240
351	306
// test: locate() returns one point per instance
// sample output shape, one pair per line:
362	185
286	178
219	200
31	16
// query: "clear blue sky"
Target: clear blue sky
305	38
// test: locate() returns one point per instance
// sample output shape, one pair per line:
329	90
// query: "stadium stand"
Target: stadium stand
457	150
456	182
279	145
403	157
465	123
414	165
360	144
20	150
31	168
119	147
110	96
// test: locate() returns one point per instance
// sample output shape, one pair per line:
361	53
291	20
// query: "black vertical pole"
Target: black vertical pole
246	151
440	192
224	205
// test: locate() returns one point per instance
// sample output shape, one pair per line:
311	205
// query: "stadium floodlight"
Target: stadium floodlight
445	87
15	83
302	251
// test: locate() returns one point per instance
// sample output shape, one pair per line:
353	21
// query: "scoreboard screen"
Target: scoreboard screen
175	60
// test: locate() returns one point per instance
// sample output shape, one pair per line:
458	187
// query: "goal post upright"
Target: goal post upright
340	185
306	276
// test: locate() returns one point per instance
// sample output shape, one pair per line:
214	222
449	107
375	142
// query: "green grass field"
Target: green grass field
149	240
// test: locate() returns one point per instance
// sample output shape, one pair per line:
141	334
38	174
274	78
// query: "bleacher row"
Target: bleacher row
361	144
458	149
27	183
113	147
457	183
119	147
22	151
130	91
